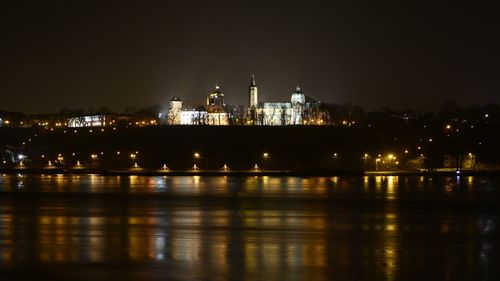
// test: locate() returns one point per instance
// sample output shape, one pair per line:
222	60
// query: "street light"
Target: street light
335	160
365	158
94	158
266	156
471	161
376	163
196	157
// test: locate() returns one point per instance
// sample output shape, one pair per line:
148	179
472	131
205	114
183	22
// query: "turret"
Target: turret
175	103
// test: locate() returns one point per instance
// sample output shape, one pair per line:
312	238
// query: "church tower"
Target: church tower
216	97
253	98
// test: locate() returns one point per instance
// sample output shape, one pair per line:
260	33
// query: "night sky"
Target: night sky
87	54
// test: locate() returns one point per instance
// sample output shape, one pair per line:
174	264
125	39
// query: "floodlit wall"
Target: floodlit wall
87	121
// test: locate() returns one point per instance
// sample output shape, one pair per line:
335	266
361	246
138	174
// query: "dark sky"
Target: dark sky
83	54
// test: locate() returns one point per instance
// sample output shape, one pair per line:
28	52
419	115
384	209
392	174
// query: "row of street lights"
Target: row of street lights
390	159
265	156
136	166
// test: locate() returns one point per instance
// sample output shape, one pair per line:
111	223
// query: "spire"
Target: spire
217	85
297	89
252	82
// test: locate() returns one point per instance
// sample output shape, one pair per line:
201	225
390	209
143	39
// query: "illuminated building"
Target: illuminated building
253	97
300	110
88	121
213	113
216	108
174	114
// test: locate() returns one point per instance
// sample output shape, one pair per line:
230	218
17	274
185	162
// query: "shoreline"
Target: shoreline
239	173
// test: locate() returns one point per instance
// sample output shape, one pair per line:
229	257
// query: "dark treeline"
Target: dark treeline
444	138
334	114
142	112
65	113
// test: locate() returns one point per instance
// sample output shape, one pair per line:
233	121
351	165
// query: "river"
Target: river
92	227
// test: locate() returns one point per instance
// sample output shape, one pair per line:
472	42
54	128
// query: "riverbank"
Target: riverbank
304	173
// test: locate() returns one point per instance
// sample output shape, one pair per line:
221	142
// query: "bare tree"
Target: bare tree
232	114
283	116
172	116
269	116
252	115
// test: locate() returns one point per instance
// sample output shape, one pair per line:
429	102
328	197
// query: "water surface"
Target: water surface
91	227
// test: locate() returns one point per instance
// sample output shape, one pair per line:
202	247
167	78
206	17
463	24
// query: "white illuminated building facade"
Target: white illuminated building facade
295	112
88	121
300	110
214	113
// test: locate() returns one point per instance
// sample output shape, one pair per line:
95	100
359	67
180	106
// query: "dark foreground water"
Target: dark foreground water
89	227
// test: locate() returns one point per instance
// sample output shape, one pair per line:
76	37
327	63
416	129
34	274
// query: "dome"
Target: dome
216	97
298	96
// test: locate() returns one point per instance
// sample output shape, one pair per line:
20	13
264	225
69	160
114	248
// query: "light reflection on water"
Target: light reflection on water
250	228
